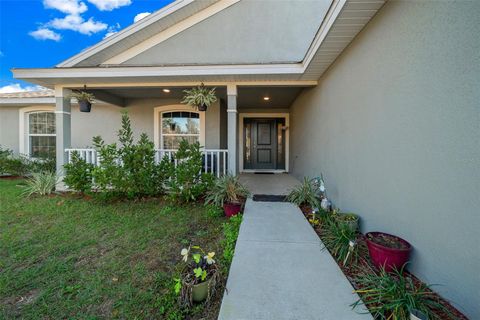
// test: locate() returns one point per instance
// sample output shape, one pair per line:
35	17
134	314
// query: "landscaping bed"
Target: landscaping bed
70	256
364	267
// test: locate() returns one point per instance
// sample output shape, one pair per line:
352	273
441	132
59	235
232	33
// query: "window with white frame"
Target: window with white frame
177	126
41	134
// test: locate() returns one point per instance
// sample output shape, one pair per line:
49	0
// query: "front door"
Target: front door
264	147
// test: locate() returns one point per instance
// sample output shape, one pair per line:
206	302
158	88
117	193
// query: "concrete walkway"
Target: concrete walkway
280	272
279	184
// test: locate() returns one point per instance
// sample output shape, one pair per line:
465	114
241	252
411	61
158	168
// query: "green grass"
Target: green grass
66	257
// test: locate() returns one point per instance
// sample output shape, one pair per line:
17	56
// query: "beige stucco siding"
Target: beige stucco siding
105	120
394	126
9	128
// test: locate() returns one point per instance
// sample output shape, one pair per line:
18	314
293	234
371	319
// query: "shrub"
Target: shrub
187	181
230	231
41	183
341	240
22	165
129	169
226	189
305	194
393	295
78	174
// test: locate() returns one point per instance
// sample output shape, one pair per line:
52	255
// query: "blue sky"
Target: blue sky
42	33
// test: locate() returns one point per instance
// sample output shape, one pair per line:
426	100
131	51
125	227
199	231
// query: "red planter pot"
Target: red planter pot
232	209
389	258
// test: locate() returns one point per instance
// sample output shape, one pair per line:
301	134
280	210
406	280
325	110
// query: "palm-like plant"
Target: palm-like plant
393	295
227	189
41	183
305	194
200	97
83	96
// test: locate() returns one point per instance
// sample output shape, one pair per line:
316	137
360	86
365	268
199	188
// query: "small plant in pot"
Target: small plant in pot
305	194
229	193
198	277
351	220
387	251
84	100
199	98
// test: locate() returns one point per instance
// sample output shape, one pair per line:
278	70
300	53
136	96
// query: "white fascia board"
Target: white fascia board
120	72
170	32
154	17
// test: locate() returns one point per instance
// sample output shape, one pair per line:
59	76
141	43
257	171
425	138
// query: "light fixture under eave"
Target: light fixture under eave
266	98
166	90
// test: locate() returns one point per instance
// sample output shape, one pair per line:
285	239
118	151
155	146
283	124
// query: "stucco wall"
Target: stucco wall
105	120
9	137
394	126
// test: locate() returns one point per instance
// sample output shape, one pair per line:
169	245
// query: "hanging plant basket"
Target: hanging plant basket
85	106
84	100
199	98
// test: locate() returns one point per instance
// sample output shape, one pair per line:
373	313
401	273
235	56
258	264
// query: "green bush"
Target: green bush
41	183
22	165
129	169
341	240
187	182
230	231
78	174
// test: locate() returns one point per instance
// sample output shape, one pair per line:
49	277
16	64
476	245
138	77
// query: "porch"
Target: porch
245	131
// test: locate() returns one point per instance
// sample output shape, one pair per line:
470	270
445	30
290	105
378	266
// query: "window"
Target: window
179	125
41	134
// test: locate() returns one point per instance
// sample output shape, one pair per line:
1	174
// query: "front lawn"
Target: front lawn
70	257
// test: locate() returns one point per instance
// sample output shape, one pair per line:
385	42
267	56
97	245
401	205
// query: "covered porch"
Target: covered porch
245	131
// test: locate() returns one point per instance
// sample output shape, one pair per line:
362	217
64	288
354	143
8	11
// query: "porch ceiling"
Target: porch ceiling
248	97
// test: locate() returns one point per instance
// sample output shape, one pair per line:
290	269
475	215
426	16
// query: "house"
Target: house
382	98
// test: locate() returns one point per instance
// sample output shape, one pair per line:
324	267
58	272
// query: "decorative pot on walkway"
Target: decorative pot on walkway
387	250
200	291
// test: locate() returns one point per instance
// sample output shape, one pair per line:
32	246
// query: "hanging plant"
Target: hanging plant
84	99
199	98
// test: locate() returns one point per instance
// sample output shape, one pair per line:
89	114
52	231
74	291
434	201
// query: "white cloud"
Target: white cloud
77	23
109	5
17	87
45	34
112	30
141	16
66	6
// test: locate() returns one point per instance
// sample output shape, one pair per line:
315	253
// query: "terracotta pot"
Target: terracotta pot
232	209
85	106
202	107
200	291
387	257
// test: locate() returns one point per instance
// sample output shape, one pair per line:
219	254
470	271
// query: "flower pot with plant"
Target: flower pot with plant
199	98
305	195
387	251
351	220
229	193
84	100
198	277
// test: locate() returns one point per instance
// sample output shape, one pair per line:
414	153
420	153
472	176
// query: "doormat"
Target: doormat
260	172
268	198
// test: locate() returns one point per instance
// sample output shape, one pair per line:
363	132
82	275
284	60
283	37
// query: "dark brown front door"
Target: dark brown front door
263	144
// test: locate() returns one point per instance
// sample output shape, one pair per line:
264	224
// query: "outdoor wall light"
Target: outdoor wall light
266	98
166	90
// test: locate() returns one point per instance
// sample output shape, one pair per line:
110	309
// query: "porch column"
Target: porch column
232	129
63	130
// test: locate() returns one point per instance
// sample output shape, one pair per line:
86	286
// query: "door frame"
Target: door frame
260	115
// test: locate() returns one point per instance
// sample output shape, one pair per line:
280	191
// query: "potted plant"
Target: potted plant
417	315
387	251
84	100
198	277
351	220
199	98
229	193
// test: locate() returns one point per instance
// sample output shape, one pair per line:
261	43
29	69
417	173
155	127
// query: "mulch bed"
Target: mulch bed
365	265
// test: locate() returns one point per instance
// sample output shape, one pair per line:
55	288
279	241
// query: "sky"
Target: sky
43	33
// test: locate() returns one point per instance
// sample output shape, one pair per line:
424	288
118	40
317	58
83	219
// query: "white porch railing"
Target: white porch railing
214	160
